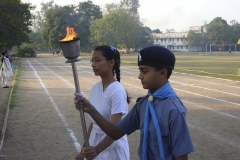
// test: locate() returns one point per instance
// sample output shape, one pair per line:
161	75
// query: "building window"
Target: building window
170	39
172	47
177	39
181	47
173	40
161	40
181	39
186	47
177	47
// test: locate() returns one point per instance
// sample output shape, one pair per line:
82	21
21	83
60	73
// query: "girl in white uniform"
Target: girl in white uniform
111	100
6	70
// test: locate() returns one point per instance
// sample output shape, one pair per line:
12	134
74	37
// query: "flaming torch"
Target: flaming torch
71	50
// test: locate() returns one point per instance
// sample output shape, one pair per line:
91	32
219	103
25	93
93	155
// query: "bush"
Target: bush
14	55
27	50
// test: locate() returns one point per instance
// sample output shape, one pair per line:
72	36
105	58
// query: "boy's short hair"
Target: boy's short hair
156	56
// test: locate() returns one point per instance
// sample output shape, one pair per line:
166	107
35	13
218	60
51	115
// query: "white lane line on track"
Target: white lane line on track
200	106
192	126
184	84
217	99
208	77
200	76
74	138
219	112
214	136
72	86
219	84
195	93
228	80
191	85
222	113
210	133
55	74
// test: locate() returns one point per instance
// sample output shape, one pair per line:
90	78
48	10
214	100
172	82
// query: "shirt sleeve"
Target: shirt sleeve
131	122
180	137
119	102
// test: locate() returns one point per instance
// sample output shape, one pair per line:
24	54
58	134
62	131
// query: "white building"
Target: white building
175	41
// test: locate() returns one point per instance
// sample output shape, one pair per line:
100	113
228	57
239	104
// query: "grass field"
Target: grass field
221	66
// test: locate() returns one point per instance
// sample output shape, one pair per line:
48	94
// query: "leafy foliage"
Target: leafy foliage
157	31
86	12
27	50
54	28
170	30
194	39
118	28
78	17
39	16
218	31
131	5
235	27
146	38
15	19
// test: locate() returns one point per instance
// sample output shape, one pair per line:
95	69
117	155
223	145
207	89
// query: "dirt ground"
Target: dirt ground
44	124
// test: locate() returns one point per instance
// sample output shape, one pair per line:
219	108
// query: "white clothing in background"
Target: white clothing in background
4	82
7	71
112	100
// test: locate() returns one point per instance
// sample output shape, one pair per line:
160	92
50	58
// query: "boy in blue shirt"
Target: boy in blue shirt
160	115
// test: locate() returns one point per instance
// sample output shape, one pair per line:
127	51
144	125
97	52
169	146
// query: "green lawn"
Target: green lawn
220	66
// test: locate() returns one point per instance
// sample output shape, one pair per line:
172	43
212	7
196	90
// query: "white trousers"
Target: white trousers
4	81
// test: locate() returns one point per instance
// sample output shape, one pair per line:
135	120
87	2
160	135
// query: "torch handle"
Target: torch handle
84	128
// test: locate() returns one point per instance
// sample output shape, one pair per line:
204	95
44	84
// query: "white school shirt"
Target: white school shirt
112	100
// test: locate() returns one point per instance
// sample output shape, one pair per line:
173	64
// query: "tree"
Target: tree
131	5
86	13
118	28
36	38
27	50
37	26
218	31
79	17
156	31
146	38
195	39
170	30
39	16
15	19
235	28
54	28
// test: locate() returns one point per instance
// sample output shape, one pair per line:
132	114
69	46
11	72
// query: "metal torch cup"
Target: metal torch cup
71	51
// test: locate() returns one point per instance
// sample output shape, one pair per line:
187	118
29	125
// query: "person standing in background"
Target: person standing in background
6	71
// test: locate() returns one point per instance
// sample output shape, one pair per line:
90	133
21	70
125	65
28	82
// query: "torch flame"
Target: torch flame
71	35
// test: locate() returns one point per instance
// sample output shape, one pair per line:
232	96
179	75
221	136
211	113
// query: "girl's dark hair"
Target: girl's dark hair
3	54
110	52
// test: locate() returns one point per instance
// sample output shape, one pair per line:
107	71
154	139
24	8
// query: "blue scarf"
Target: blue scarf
163	92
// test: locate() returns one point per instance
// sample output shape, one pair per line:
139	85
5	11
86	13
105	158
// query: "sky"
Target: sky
173	14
